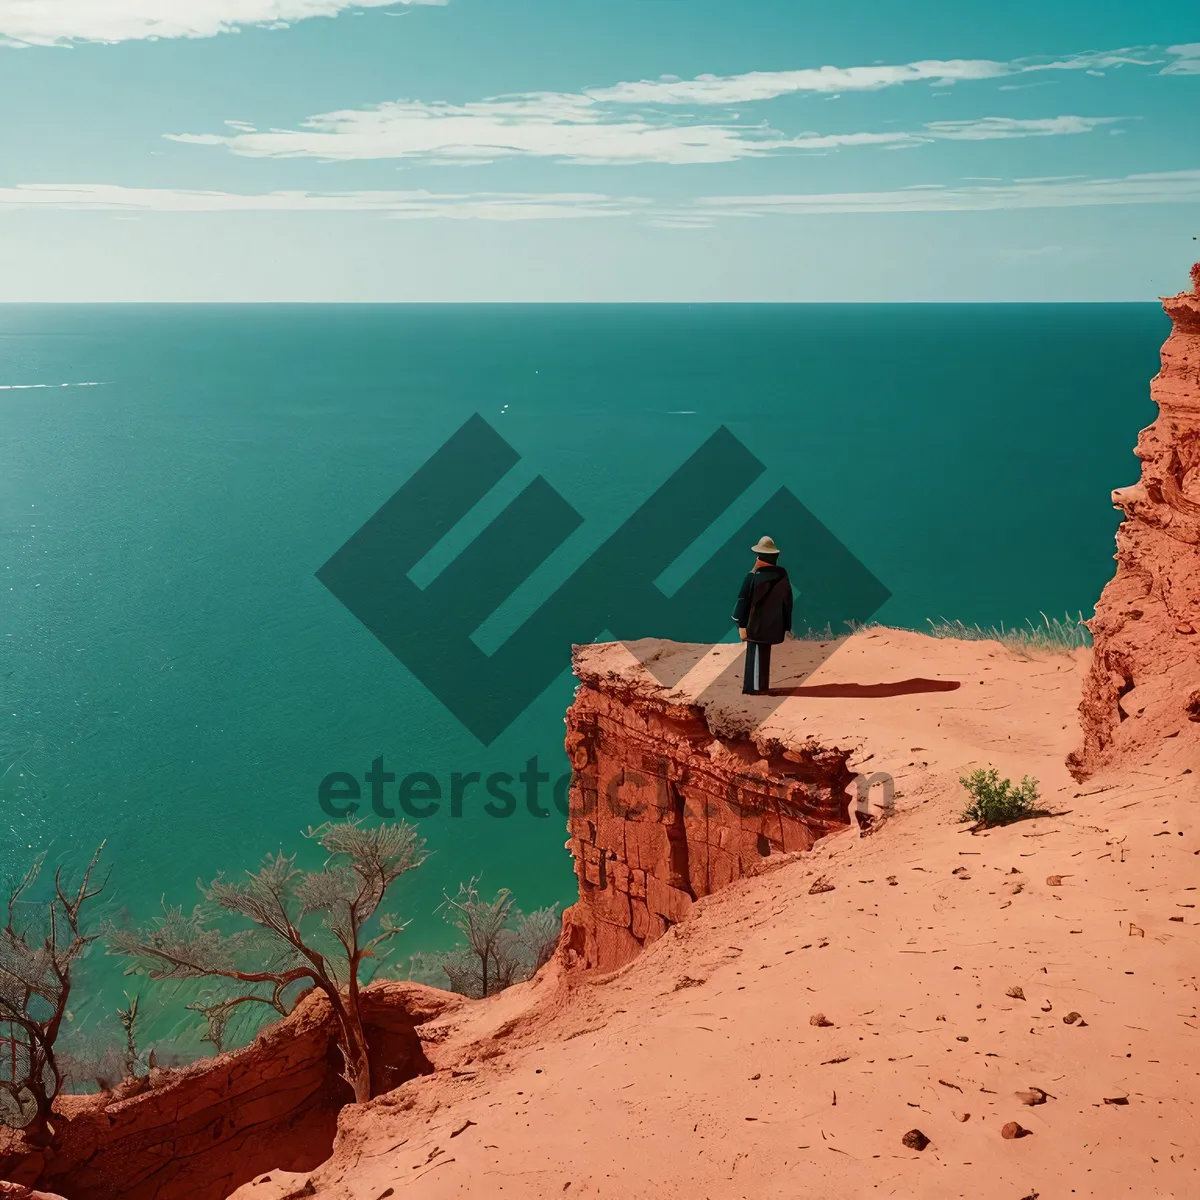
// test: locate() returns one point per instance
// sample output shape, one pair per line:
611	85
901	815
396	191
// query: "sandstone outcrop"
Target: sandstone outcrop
664	810
1142	695
199	1132
698	1070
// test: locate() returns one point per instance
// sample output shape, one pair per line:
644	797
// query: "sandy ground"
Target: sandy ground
943	962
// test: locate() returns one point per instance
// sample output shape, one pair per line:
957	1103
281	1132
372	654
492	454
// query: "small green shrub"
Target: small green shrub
995	801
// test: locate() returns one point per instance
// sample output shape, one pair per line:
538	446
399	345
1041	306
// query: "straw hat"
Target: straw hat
765	545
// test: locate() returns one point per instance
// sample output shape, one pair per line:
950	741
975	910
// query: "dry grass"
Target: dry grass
1055	634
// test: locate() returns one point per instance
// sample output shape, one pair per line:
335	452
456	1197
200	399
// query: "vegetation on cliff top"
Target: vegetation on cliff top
252	947
40	945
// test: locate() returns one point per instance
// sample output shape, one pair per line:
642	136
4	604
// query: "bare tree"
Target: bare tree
128	1016
503	945
108	1050
538	933
39	946
283	950
484	925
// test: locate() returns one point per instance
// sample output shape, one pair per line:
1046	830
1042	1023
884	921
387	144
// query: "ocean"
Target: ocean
176	682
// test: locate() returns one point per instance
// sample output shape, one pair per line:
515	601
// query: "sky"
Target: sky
598	150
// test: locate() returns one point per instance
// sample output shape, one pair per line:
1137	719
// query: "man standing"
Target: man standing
763	614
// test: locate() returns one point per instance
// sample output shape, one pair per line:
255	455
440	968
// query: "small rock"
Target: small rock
820	884
1174	918
1033	1096
1013	1130
962	1037
1016	992
914	1139
1055	880
820	1019
962	1116
1071	1018
1116	1100
1047	1006
891	881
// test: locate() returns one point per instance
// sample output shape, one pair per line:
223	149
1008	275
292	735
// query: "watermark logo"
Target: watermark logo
429	629
421	795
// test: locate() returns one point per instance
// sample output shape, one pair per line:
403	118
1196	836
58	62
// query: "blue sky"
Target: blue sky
532	150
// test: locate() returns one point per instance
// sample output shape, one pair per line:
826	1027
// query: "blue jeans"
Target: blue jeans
758	668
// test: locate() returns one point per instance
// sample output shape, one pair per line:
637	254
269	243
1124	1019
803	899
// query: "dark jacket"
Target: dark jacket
764	605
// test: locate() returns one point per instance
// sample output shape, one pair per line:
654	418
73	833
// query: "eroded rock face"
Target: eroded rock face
200	1132
1143	692
18	1191
663	812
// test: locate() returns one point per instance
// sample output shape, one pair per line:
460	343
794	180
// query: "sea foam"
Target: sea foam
24	387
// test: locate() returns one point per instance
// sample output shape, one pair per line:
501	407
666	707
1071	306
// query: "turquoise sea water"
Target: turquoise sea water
174	679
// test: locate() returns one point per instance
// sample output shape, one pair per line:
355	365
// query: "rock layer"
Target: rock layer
1142	694
200	1132
665	811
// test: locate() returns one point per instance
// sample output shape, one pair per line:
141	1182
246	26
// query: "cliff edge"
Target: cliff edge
1142	698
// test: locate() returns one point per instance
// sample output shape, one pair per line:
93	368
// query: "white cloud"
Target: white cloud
541	124
485	206
641	122
769	85
1165	187
61	22
1186	60
575	129
991	128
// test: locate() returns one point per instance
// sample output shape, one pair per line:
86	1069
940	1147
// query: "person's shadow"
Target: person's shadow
870	691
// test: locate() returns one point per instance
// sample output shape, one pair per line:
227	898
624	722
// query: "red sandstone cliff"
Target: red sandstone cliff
199	1132
789	1029
1142	695
665	810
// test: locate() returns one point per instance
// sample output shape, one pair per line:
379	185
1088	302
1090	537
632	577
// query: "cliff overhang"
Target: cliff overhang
674	797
